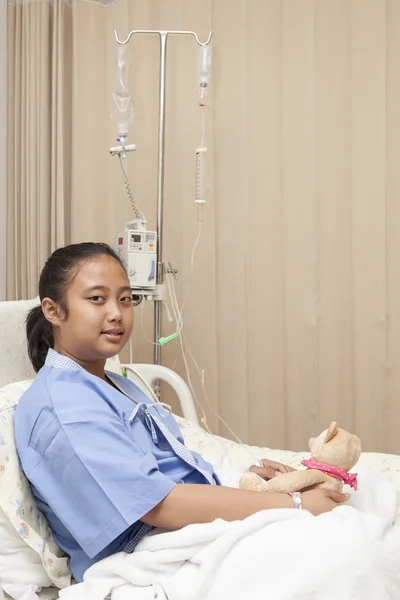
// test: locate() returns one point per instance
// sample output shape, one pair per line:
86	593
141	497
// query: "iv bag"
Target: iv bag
122	105
204	62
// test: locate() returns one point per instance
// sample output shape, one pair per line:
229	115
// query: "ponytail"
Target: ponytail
40	337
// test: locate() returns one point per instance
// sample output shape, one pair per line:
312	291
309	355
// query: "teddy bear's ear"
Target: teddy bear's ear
332	431
310	443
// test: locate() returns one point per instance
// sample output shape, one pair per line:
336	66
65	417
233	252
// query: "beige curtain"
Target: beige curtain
293	309
38	140
3	147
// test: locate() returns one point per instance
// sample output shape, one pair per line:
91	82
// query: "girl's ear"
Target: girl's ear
52	311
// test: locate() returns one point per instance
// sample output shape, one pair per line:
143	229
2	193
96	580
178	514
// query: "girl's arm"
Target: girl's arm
190	503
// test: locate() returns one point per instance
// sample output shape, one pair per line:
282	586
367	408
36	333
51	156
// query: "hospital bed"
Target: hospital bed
15	367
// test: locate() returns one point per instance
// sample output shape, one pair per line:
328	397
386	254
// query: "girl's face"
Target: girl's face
100	314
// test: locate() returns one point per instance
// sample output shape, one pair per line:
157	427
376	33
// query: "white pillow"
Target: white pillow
18	503
223	452
21	568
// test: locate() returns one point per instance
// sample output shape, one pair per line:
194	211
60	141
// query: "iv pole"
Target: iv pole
160	174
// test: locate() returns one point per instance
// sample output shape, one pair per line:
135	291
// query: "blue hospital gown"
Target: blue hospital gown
94	472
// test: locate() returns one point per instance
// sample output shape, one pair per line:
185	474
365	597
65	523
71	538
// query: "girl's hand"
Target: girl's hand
319	500
270	469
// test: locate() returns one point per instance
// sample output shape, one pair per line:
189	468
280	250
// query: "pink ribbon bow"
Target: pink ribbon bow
347	478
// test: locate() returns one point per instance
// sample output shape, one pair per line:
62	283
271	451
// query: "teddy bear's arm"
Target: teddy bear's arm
289	482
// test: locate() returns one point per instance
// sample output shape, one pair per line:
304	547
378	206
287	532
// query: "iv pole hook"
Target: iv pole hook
165	32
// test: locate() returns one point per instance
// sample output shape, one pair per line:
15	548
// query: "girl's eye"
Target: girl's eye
126	299
97	299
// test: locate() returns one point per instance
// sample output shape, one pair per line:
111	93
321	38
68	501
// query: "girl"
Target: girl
106	465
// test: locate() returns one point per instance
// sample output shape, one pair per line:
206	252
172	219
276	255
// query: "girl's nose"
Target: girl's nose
115	313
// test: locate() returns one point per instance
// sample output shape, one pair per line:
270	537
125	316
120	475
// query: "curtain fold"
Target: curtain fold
39	146
3	149
292	308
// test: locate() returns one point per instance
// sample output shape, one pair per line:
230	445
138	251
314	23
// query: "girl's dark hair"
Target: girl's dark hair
58	272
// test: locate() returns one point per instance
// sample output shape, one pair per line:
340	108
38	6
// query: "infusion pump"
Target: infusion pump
137	248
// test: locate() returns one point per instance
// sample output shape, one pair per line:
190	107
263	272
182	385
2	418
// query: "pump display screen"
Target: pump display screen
136	238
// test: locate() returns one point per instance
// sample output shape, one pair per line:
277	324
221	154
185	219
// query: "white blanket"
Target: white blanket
351	553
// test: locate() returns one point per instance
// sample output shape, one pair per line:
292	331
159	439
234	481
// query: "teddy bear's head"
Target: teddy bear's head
336	447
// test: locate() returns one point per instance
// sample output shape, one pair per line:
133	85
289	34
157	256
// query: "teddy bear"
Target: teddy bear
333	453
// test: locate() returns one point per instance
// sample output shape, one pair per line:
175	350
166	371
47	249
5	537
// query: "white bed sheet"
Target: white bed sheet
222	452
217	450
